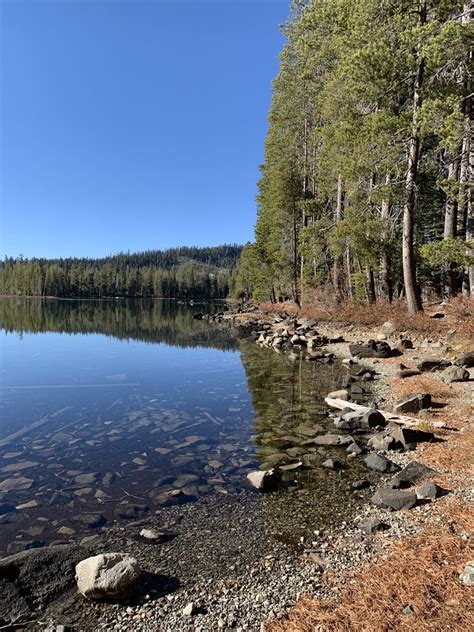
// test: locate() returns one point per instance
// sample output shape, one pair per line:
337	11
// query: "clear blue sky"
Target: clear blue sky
128	125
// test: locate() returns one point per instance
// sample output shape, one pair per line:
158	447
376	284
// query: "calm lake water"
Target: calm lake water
112	409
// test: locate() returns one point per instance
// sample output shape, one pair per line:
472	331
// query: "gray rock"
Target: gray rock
411	474
332	464
265	481
354	448
379	463
429	491
370	525
389	327
466	359
342	394
412	403
108	575
455	374
394	499
467	575
190	610
151	535
384	442
408	436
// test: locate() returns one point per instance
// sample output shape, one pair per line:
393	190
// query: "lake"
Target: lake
111	410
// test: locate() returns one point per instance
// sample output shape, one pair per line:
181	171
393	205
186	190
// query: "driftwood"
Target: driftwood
340	404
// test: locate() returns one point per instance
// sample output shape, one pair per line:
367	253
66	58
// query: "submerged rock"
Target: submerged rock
108	575
129	510
16	484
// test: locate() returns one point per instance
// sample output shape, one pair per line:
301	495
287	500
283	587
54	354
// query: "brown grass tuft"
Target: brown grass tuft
422	572
423	384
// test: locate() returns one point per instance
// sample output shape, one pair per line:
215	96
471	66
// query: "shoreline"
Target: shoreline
249	594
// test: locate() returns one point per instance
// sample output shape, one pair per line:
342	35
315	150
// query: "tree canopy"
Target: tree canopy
368	157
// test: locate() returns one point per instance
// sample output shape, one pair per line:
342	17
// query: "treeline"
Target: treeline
366	186
177	273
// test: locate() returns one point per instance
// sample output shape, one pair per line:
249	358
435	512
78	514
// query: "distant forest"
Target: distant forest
185	273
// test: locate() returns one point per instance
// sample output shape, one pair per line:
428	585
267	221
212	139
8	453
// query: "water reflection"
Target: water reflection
159	321
101	428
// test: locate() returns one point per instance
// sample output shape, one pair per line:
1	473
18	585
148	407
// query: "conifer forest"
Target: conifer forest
366	185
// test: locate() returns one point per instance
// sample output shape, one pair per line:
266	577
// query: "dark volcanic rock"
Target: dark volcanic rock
466	359
379	463
31	580
408	436
360	484
413	403
371	349
393	499
411	474
433	364
403	373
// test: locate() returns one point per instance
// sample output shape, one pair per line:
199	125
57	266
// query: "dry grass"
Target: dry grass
423	384
422	572
459	315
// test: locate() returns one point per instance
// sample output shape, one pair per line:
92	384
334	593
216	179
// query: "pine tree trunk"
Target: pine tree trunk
338	263
370	284
412	291
467	160
386	284
450	228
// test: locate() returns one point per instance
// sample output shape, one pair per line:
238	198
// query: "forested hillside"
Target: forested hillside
366	186
175	273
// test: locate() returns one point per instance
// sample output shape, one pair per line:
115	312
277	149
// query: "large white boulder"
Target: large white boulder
107	575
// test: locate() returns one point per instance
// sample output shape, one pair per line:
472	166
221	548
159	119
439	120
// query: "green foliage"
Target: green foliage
332	191
447	251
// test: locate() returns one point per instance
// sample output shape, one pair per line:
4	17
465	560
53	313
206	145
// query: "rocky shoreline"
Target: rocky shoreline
214	566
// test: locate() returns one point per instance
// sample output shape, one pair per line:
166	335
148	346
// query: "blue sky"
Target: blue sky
128	125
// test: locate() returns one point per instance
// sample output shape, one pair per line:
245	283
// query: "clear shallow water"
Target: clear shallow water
112	409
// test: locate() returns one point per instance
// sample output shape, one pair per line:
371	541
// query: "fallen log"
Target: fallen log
340	404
